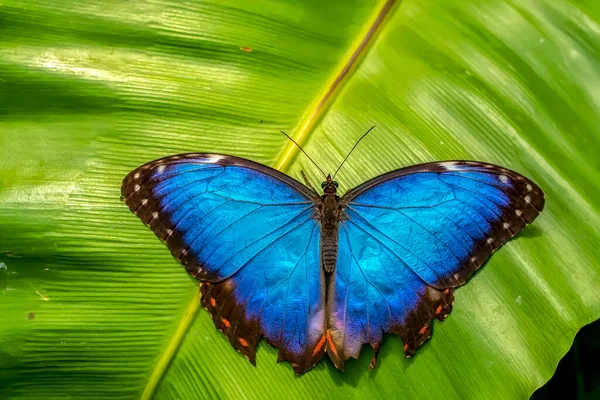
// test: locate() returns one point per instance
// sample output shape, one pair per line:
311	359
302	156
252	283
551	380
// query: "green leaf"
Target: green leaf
93	304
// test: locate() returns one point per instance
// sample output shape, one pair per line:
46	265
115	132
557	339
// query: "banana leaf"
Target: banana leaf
93	305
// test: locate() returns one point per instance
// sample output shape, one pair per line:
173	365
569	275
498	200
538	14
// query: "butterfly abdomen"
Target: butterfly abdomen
329	249
329	232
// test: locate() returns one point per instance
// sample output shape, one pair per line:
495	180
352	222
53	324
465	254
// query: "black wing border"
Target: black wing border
220	159
439	167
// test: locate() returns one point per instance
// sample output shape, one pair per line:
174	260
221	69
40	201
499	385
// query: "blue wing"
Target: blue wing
408	238
249	233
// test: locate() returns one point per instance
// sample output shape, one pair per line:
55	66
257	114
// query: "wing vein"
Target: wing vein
393	241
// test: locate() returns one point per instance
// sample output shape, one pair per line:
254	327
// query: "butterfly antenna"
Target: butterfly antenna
351	150
301	149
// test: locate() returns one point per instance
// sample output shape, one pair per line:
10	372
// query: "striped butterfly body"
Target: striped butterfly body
319	273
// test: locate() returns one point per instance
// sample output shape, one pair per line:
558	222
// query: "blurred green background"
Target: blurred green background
90	298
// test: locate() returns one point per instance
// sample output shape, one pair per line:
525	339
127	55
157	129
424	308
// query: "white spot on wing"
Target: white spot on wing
518	212
136	176
490	240
160	169
144	202
136	188
154	214
451	166
214	158
529	187
503	178
527	199
505	225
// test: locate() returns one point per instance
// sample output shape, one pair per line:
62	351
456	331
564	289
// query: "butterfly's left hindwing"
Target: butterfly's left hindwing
249	232
407	238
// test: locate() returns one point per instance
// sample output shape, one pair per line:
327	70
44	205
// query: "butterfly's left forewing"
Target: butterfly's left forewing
249	233
408	238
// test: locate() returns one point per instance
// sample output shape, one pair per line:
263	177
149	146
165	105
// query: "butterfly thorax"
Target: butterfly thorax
329	214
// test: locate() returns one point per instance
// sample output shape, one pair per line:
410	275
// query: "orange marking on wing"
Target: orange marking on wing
319	345
447	291
372	364
439	309
207	284
226	323
243	342
330	343
213	302
423	330
405	347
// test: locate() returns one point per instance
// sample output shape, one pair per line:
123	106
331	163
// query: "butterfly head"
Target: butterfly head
329	186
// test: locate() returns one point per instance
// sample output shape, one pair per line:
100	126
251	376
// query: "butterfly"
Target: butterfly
319	273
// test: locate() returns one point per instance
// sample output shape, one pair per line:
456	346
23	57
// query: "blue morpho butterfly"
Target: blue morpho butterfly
322	273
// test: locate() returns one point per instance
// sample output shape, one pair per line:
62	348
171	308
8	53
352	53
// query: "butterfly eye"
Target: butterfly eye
323	185
335	184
